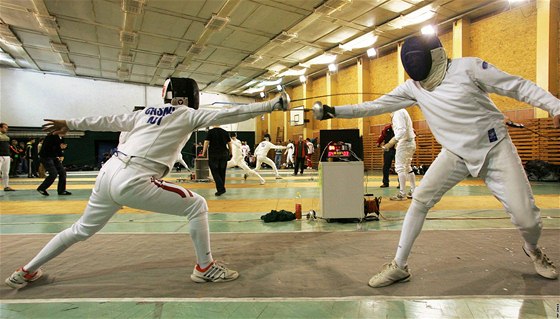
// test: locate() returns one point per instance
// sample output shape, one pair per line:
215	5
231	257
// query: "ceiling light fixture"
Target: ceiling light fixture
362	41
59	47
216	23
421	15
302	78
324	58
262	94
428	30
196	48
371	52
332	68
330	6
132	6
284	37
128	37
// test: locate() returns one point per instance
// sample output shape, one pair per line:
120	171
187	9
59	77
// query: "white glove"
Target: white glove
390	144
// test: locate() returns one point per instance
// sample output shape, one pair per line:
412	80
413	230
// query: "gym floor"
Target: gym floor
467	206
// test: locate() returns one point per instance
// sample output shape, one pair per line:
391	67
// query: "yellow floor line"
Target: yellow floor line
260	205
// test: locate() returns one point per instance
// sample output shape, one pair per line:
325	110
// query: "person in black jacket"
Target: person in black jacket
389	153
218	147
52	154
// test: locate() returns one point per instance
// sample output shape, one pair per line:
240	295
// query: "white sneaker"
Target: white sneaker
213	273
389	274
398	196
409	195
20	278
543	265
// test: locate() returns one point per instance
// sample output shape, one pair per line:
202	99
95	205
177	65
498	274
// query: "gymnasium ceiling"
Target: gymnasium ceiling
228	46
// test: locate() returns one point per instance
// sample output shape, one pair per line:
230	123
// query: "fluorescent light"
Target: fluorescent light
363	41
324	58
423	14
271	82
428	30
262	94
5	57
302	78
298	70
371	52
332	67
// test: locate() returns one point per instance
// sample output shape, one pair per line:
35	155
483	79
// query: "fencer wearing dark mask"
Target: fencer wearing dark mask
453	96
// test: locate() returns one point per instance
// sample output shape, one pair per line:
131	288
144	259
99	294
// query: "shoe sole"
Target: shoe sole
19	286
204	280
406	279
547	276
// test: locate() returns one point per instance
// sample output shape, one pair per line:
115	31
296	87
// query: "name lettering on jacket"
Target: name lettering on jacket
157	114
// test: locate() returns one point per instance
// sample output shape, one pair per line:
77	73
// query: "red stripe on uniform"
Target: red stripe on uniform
171	187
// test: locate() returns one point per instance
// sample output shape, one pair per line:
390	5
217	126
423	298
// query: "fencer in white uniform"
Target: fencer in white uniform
133	176
261	153
237	159
406	146
453	96
289	154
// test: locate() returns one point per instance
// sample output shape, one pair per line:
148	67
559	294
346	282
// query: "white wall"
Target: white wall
28	97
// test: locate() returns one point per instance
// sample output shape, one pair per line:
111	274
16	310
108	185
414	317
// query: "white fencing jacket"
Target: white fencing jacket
265	146
402	126
461	115
158	133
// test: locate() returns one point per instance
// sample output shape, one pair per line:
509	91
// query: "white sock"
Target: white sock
200	235
412	225
412	181
402	182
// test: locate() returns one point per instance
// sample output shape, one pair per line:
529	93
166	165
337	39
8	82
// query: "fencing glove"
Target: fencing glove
322	111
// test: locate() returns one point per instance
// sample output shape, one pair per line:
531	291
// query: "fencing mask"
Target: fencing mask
181	91
416	55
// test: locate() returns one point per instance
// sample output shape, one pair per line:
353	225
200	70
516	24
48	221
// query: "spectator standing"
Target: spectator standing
300	154
310	150
388	152
52	155
5	158
218	147
15	154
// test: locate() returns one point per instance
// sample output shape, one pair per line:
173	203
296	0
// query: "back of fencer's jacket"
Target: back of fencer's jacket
159	133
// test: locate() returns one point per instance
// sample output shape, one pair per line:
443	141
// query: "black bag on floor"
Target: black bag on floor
542	171
278	216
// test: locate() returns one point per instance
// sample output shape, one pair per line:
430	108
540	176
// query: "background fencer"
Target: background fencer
406	146
237	159
289	152
132	177
261	153
453	96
